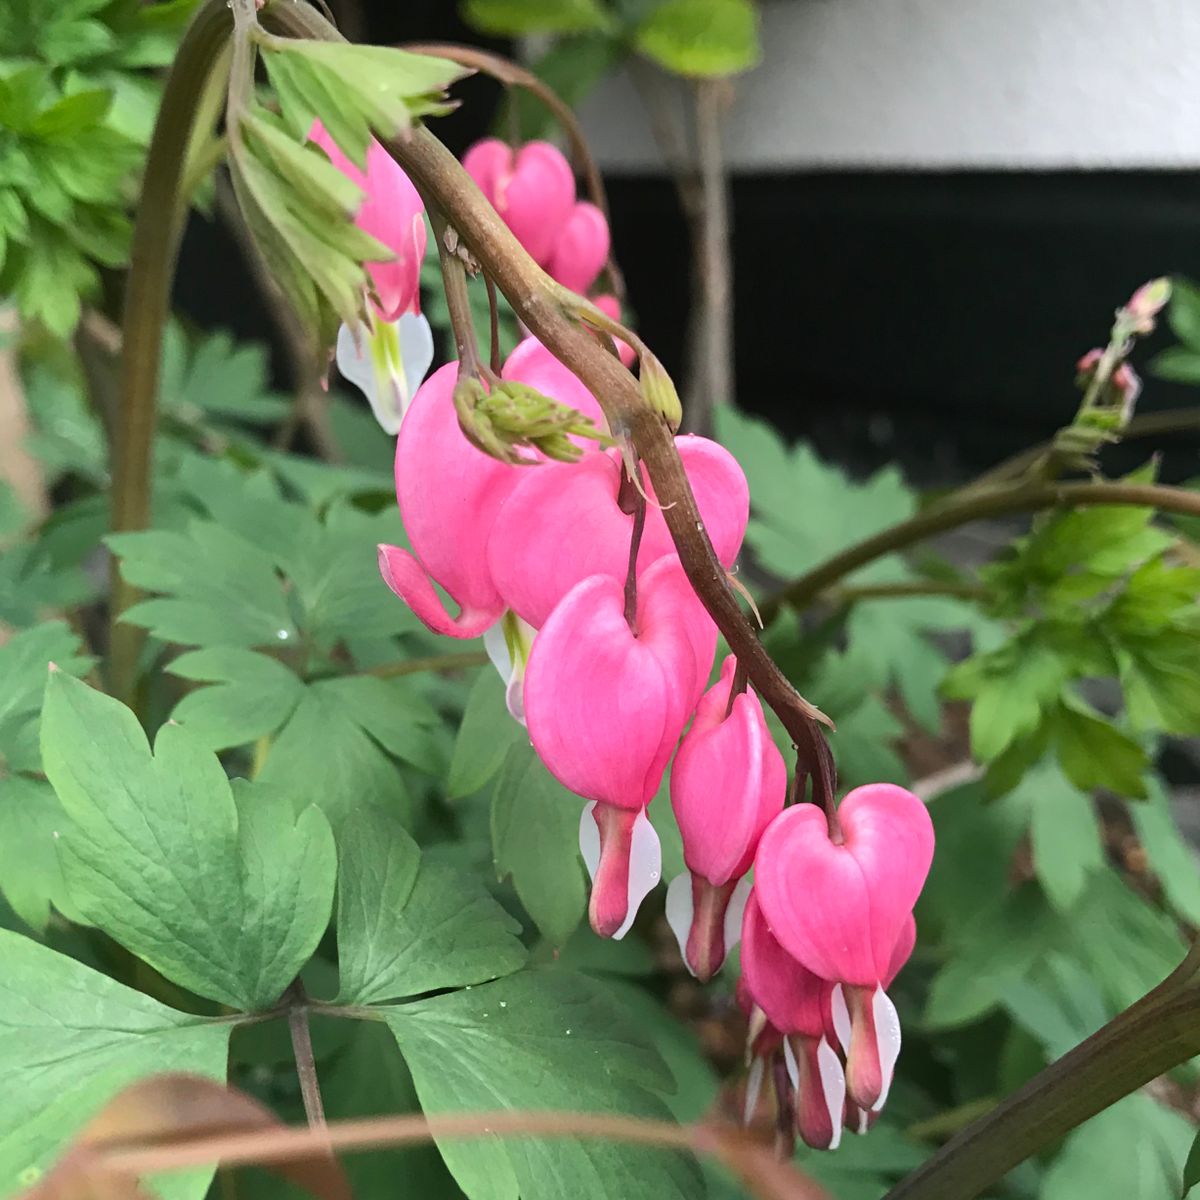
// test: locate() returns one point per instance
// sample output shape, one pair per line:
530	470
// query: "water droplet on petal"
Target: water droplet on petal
282	635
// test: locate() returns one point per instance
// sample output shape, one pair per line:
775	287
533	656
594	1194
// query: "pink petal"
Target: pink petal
407	578
722	493
624	859
391	212
793	998
699	916
449	493
844	922
820	1091
728	782
597	699
581	248
874	1046
533	190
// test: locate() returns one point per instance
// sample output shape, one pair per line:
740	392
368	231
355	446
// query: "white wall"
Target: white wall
951	83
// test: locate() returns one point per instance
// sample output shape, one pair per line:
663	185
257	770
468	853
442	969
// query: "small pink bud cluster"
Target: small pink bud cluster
533	190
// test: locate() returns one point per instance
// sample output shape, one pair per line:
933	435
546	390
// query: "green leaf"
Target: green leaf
1065	834
535	839
24	659
515	18
71	1038
355	89
226	897
1191	1168
541	1040
1130	945
254	697
407	926
1177	364
1094	753
1172	858
30	876
999	946
1183	315
572	66
484	738
1130	1150
335	748
701	37
219	589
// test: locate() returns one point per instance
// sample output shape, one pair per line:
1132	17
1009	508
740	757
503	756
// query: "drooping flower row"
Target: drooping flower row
569	573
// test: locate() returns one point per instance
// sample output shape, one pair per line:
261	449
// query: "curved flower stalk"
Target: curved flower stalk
727	784
606	700
387	356
843	922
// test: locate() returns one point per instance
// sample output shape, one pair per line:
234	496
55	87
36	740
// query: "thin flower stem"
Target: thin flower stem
280	1145
434	662
1177	420
494	323
632	499
156	235
903	589
302	1049
1023	498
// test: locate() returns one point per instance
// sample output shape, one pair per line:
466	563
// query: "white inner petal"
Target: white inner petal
754	1083
680	912
887	1038
734	913
589	839
841	1018
645	868
416	351
833	1087
789	1061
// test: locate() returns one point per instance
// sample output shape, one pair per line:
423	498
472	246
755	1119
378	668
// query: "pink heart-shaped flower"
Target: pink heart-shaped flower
841	909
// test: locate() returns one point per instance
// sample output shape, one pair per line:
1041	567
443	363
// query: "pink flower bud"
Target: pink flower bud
581	248
611	306
844	922
728	782
1147	302
392	213
533	190
795	1002
605	706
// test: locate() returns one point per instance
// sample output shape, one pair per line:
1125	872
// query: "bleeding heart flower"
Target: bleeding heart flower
796	1002
449	493
728	782
581	248
564	522
605	705
392	213
533	189
840	908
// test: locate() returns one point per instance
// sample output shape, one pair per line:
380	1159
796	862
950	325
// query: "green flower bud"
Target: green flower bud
658	391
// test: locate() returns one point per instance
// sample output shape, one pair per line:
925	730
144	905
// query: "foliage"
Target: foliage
76	105
588	39
320	810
